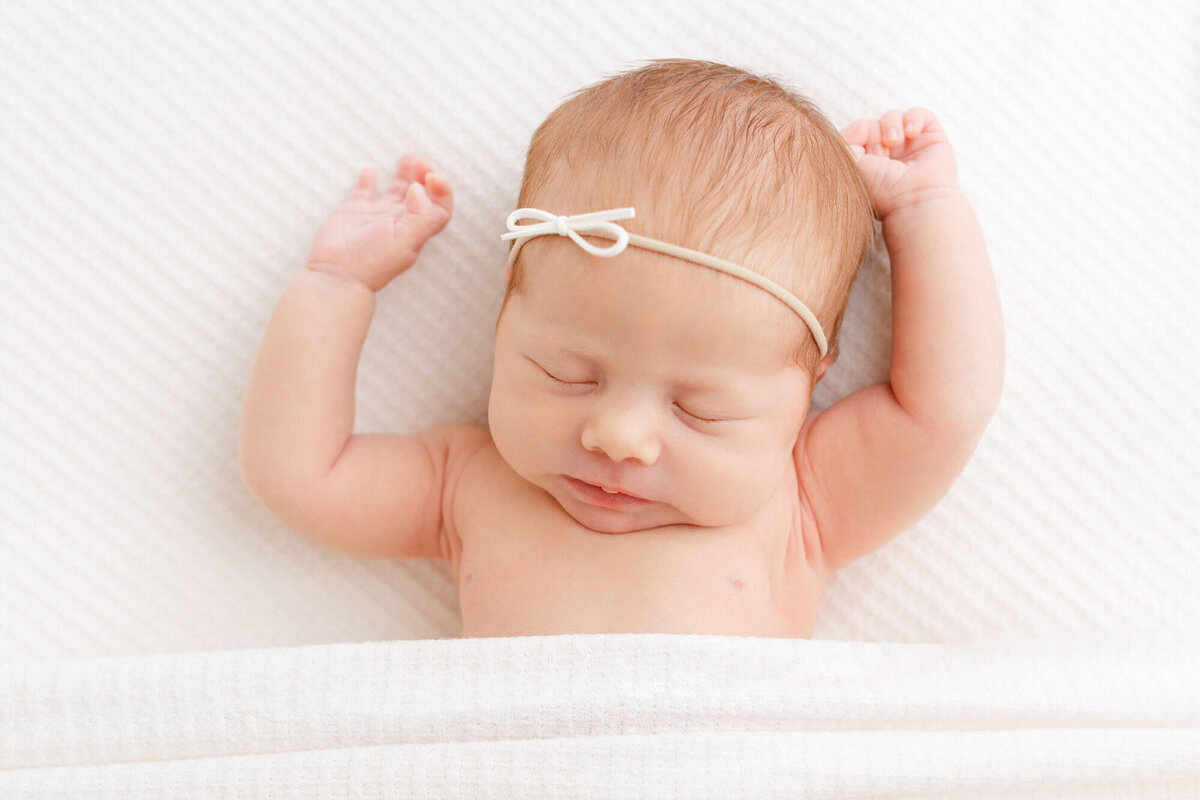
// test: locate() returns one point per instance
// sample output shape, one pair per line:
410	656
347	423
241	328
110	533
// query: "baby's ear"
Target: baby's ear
826	363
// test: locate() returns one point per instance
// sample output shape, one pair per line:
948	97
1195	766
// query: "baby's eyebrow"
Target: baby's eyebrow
704	386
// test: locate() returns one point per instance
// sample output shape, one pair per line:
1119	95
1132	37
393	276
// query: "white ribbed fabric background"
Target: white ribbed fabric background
165	166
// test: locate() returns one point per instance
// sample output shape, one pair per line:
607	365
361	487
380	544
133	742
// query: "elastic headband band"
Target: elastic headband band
598	223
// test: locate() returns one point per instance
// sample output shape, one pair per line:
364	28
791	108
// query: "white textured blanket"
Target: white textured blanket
643	715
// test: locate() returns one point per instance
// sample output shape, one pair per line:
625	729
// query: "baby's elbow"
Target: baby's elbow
265	491
963	416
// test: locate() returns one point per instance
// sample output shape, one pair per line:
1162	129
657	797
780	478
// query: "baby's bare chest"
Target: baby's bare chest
526	567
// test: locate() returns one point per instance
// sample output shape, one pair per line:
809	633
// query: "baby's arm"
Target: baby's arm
368	494
874	463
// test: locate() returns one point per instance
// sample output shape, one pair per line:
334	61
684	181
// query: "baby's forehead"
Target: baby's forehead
559	268
642	299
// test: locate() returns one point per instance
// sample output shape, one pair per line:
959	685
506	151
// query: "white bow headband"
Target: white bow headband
598	223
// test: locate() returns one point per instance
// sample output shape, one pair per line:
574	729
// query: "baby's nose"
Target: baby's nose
623	433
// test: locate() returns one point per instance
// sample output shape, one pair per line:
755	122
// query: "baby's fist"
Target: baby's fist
904	156
373	239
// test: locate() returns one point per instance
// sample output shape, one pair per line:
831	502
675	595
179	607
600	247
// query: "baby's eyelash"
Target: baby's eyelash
693	416
584	383
565	383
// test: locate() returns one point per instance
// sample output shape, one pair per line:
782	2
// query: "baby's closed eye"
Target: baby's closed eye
555	377
707	418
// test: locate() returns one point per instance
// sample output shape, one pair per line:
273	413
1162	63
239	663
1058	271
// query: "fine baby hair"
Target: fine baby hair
718	161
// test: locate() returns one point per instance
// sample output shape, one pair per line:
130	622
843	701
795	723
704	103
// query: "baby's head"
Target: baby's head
716	160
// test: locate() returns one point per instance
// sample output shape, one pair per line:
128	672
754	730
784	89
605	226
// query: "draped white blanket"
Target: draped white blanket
613	716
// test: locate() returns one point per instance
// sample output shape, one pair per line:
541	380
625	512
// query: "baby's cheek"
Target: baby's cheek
519	424
726	489
504	420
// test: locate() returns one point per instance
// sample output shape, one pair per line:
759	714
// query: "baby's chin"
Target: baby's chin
611	522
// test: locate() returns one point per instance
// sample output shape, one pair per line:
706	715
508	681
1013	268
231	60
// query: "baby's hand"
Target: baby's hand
904	157
372	240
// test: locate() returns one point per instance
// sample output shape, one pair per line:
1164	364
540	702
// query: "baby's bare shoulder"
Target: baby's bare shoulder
481	490
460	443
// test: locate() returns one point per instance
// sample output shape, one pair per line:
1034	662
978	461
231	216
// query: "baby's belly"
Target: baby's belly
647	582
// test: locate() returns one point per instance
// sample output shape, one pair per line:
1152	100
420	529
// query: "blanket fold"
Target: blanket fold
609	715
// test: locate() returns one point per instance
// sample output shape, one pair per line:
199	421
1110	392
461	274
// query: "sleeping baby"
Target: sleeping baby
682	253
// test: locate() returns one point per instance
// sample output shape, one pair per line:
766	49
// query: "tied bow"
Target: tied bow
567	226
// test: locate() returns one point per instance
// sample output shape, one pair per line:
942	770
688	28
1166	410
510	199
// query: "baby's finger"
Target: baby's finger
400	182
873	138
418	168
365	189
416	200
855	133
891	127
440	191
919	119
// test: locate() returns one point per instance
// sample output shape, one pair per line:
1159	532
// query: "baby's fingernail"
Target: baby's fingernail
910	127
893	134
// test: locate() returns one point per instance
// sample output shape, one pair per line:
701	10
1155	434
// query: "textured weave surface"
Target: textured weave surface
165	166
637	715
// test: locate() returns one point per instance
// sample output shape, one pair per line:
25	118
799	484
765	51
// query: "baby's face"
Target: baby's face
649	347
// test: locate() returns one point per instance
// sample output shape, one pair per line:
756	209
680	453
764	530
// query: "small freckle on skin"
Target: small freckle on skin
737	583
470	577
